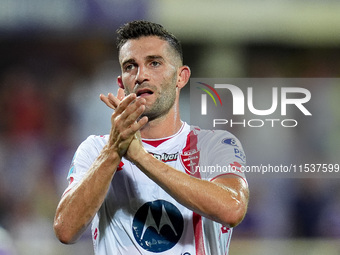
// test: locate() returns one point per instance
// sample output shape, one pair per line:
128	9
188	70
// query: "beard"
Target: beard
165	95
162	105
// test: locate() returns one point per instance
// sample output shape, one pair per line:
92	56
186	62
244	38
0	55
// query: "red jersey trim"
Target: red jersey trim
198	233
157	142
190	157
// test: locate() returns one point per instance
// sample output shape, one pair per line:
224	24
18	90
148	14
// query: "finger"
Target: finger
116	100
113	100
142	122
135	127
122	106
125	116
124	130
106	101
131	114
120	94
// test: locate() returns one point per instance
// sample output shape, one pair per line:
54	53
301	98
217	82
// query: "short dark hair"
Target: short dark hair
139	28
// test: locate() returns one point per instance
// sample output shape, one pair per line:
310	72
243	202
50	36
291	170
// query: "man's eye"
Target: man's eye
155	63
129	67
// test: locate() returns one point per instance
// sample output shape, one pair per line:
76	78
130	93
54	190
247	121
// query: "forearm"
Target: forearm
224	201
79	205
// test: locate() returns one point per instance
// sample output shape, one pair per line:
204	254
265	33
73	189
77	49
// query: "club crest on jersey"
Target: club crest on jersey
189	160
157	226
165	157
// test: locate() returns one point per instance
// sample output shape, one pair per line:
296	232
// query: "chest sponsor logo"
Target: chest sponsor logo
165	157
157	226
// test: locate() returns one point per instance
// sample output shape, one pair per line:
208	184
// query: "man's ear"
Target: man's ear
183	76
120	82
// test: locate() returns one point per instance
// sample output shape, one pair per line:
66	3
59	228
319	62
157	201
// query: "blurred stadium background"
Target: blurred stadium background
56	57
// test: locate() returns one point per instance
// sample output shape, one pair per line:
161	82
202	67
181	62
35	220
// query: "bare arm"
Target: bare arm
79	205
223	200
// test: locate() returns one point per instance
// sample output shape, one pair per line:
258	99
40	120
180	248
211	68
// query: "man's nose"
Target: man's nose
142	75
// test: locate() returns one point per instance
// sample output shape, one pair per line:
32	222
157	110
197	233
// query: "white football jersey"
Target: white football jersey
139	217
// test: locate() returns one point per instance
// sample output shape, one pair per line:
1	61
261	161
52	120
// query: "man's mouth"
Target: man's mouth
144	92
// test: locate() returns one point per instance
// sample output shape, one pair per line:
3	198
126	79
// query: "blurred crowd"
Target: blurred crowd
49	103
36	117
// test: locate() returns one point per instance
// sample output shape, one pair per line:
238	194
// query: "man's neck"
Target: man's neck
164	126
